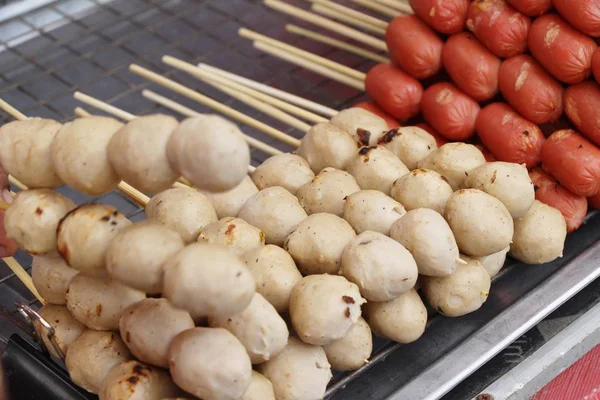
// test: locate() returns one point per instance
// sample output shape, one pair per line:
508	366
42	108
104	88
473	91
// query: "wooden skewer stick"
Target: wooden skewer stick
327	24
263	107
257	37
380	8
353	13
215	105
212	77
340	16
277	93
10	110
23	276
4	205
398	5
183	110
317	68
337	44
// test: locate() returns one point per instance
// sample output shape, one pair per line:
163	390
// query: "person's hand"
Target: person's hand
7	246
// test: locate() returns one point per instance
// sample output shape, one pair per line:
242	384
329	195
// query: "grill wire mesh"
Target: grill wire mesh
87	45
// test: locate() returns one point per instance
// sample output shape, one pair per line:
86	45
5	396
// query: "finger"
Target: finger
7	246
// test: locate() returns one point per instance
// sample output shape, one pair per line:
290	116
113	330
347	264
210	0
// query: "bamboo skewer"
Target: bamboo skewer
353	13
277	93
23	276
317	68
340	16
337	44
327	24
256	37
215	105
380	8
4	205
243	97
172	105
397	5
214	78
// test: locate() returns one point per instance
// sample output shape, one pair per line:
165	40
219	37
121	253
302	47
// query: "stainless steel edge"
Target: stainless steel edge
524	380
451	369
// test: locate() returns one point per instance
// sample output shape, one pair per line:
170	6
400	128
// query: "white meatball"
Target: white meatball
363	125
259	328
210	152
275	211
318	242
91	357
381	267
207	279
460	293
99	303
210	363
260	388
422	188
326	145
148	327
26	151
508	182
234	233
353	350
275	274
32	219
138	152
410	144
539	235
327	191
66	328
453	161
229	203
429	239
185	210
481	223
494	262
83	237
137	254
132	380
51	277
286	170
80	154
402	320
376	168
371	210
300	371
323	308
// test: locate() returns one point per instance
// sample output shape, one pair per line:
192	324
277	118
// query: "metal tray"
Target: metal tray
62	46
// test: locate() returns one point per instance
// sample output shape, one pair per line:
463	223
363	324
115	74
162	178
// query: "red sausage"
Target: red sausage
582	14
582	106
548	191
472	67
439	139
394	91
449	111
489	157
563	51
532	8
367	105
497	25
533	92
573	161
414	47
445	16
596	64
509	136
594	201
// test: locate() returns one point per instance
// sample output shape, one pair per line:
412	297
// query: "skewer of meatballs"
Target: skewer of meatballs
403	208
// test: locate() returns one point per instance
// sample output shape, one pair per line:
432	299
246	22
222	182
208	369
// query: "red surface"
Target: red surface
580	382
